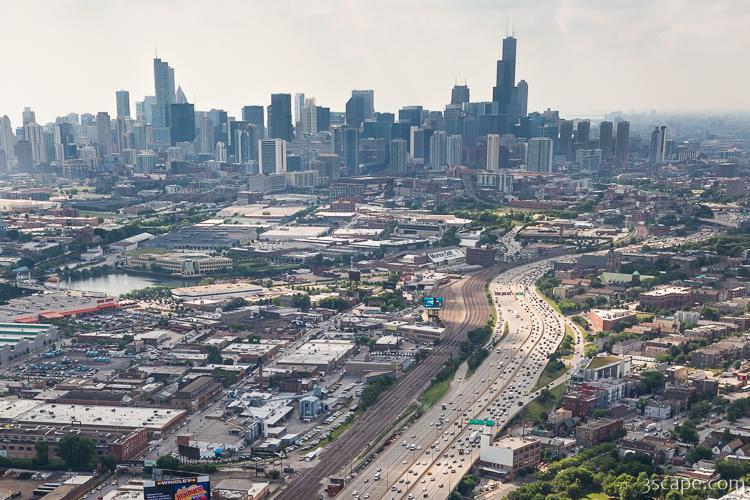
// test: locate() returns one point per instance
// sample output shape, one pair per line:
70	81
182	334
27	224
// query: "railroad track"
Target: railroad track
466	308
532	344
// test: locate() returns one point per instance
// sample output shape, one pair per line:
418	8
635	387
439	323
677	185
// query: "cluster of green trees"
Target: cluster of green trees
88	272
473	349
301	301
730	244
75	452
595	470
651	382
225	377
450	238
465	488
8	292
149	293
738	409
337	303
234	304
374	389
392	300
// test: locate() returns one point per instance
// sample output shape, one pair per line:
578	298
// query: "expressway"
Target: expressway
427	461
466	308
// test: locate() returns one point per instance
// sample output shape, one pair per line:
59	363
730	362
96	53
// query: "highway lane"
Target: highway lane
532	324
466	308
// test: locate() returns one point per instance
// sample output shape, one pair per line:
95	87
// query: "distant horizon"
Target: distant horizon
581	57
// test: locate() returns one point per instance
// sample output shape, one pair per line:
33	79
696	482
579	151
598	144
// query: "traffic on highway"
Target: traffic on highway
438	449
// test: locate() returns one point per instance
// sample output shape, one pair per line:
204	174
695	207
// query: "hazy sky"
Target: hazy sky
583	57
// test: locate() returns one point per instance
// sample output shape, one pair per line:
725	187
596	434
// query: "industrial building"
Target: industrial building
102	418
180	263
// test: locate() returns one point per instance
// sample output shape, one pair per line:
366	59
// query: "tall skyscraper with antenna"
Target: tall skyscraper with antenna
511	100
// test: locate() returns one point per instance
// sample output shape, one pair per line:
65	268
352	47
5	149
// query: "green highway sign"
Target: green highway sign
479	421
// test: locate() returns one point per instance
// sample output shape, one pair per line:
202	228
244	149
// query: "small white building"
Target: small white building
658	410
92	254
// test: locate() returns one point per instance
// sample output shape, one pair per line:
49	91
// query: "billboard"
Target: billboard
432	302
187	488
187	451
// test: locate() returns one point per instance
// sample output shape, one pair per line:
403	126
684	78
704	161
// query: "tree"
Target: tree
274	474
450	238
687	433
214	357
699	453
590	350
234	304
301	301
76	451
168	462
709	313
42	453
699	410
108	462
336	303
651	381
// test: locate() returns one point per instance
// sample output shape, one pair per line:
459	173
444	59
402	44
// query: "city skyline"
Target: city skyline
328	68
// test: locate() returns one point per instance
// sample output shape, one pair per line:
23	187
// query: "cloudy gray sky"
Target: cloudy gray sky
583	57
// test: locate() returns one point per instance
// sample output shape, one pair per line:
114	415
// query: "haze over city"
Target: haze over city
385	250
584	57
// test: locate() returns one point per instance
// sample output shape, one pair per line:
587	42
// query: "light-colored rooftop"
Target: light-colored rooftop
32	411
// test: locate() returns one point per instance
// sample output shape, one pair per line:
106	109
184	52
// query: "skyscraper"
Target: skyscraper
369	102
412	114
504	91
144	109
6	138
540	154
350	150
324	118
164	92
460	94
220	153
24	155
254	115
299	101
605	139
454	150
621	143
565	144
244	140
355	110
398	156
309	117
439	149
179	96
658	149
452	118
280	117
28	116
221	124
182	123
104	134
33	133
493	152
272	156
522	98
123	103
205	135
583	132
121	133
